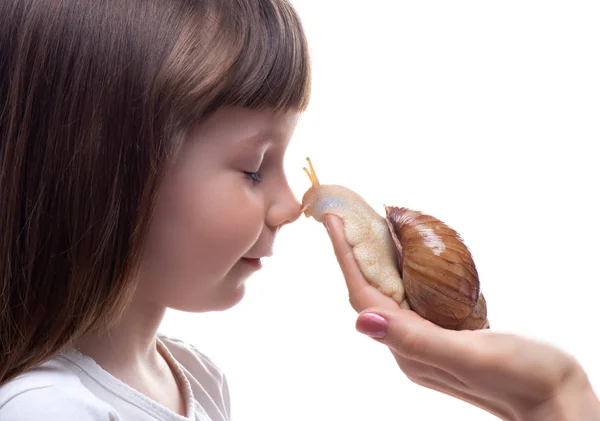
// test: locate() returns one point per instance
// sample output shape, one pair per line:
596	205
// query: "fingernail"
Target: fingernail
372	325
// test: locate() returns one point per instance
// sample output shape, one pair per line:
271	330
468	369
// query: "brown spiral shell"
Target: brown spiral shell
438	272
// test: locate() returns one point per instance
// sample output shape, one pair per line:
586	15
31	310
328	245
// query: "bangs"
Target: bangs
251	54
273	66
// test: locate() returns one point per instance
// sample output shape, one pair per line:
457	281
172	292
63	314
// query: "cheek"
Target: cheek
225	221
197	237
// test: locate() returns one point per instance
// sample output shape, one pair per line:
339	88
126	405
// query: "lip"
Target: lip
255	263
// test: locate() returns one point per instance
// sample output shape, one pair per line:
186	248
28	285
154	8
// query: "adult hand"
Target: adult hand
509	376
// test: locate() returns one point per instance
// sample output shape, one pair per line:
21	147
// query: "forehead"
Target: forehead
248	126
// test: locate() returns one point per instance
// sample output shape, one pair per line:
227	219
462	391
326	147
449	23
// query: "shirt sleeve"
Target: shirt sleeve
52	404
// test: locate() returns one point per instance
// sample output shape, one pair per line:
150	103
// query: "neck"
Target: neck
130	343
129	353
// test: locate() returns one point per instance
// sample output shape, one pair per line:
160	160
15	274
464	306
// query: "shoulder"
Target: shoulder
209	383
50	393
196	362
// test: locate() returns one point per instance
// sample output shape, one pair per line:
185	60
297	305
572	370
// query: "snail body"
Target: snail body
414	258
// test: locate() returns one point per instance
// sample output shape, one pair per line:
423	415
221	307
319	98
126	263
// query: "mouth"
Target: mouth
254	263
305	205
304	210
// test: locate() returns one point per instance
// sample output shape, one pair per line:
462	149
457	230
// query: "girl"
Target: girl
131	133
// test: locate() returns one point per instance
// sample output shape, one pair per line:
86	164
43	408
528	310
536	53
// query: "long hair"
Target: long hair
95	99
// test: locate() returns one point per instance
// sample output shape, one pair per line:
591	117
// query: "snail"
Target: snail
414	258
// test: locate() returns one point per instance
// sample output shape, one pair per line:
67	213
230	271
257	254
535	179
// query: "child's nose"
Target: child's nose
285	210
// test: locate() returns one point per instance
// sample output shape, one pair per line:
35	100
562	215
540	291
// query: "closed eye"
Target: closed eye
256	177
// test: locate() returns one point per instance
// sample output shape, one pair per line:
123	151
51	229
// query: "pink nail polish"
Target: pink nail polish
372	325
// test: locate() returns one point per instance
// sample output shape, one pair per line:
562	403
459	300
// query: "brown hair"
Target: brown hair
95	98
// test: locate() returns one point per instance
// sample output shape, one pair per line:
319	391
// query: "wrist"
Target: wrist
574	402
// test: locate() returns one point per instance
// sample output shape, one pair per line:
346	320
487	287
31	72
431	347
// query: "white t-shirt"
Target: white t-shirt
72	387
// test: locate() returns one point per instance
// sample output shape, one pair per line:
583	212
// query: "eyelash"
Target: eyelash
255	177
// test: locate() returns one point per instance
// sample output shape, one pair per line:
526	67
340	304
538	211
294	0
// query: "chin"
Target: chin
229	300
218	301
222	295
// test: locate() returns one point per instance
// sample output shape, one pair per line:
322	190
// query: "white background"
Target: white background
484	114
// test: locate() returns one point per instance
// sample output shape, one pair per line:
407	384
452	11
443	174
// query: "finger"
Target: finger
418	339
343	252
362	294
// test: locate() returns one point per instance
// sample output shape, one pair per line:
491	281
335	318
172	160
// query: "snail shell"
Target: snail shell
416	259
437	270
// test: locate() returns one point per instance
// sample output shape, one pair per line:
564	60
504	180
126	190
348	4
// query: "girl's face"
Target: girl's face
219	210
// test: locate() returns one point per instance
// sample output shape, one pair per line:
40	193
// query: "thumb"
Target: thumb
412	336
